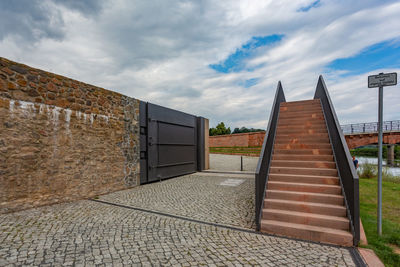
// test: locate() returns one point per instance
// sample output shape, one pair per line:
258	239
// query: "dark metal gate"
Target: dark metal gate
171	143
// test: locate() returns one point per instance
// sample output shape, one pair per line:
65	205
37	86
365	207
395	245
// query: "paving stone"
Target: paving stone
86	233
195	196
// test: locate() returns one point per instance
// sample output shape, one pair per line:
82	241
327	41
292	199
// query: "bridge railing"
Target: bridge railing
264	160
370	127
347	173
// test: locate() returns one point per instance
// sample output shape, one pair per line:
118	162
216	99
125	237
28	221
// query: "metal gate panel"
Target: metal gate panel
181	154
171	141
176	134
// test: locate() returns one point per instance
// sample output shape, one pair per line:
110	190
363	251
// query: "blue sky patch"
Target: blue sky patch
236	61
381	55
314	4
249	83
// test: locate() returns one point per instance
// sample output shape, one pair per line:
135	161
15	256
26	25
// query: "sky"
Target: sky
220	60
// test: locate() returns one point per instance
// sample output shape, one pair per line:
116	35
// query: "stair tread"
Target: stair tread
305	193
308	227
302	175
301	161
303	203
305	184
306	214
301	168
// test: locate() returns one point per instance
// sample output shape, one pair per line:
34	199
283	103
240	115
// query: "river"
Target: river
394	170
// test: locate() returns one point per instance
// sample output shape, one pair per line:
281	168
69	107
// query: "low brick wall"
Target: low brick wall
241	139
61	139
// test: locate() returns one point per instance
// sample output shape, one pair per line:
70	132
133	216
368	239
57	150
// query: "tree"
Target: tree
246	130
219	129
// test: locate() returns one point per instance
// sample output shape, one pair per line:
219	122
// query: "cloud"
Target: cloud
86	7
30	20
161	52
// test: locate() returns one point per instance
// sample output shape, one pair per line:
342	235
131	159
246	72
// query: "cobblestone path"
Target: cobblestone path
90	233
196	196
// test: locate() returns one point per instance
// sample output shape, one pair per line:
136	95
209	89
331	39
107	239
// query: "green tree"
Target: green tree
219	129
246	130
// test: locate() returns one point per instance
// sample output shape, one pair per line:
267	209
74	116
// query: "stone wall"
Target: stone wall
61	139
242	139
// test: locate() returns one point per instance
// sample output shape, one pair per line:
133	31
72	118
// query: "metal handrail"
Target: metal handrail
370	127
264	160
347	173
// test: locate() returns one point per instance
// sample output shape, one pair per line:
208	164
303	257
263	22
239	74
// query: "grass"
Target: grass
251	150
391	218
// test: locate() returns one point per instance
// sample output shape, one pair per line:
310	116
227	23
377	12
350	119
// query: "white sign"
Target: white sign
382	79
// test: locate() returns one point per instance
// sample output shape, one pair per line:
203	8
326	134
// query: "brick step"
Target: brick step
304	171
301	126
303	164
301	102
302	139
308	207
287	111
300	108
303	157
305	197
333	222
305	187
310	179
300	120
300	135
291	105
285	131
300	116
296	124
308	232
315	151
302	146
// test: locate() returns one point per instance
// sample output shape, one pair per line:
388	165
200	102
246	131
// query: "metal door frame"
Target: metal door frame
151	117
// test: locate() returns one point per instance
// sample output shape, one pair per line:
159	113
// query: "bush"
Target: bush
367	170
388	176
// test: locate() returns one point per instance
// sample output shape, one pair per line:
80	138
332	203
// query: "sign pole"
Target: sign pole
381	80
380	124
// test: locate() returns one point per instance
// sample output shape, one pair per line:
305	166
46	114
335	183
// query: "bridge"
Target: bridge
362	134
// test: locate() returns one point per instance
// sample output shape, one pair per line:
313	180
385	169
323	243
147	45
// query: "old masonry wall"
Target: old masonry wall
61	139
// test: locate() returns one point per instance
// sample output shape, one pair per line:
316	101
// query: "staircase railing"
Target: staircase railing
347	173
266	154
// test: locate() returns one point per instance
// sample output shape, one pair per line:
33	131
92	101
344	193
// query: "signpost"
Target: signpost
381	80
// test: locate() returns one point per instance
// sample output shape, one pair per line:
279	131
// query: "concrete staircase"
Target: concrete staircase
304	198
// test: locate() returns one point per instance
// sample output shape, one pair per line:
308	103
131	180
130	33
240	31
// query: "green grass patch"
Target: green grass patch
236	150
391	218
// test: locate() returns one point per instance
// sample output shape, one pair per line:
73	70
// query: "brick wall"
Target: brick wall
61	139
357	140
242	139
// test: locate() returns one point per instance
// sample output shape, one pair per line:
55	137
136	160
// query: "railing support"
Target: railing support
347	173
370	127
266	155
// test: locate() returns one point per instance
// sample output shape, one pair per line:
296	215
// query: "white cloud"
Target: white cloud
159	51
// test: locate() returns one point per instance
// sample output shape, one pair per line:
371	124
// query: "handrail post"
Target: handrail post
347	173
261	175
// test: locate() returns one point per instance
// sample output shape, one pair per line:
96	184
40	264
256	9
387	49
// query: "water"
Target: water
392	170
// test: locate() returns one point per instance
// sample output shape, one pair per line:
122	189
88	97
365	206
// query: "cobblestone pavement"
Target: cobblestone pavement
91	233
196	196
232	163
